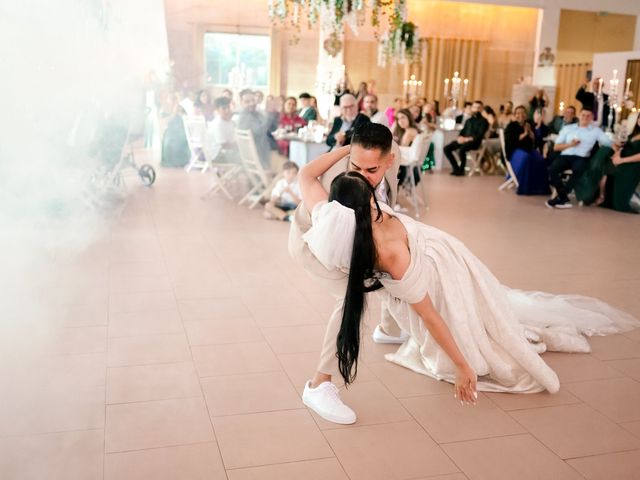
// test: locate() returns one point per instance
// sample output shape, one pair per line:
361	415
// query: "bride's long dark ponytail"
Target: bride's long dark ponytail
352	190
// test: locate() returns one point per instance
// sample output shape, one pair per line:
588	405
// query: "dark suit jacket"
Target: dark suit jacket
475	126
337	123
588	100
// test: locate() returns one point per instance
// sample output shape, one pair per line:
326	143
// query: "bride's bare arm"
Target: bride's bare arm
396	265
311	188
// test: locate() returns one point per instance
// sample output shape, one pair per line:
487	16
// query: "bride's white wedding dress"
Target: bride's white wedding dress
500	331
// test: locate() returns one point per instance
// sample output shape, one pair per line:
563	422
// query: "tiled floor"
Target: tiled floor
176	347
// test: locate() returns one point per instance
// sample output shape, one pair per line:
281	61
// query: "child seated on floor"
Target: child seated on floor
285	196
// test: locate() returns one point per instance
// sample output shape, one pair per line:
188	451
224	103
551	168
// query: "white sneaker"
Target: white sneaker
325	401
380	337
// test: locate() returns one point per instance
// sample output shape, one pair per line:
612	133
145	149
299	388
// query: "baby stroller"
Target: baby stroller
113	150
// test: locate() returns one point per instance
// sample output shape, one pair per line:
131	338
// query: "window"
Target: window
233	60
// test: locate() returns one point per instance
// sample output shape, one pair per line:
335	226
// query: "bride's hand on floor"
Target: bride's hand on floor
465	387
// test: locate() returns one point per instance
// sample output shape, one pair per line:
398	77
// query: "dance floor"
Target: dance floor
177	345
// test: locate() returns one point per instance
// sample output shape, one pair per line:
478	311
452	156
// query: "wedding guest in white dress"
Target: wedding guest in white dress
465	327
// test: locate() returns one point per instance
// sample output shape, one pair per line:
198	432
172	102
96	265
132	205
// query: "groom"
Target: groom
373	154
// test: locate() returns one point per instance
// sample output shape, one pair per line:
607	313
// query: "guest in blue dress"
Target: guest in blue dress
525	159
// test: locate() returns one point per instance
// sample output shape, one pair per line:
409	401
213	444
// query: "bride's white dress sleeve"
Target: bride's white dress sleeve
331	224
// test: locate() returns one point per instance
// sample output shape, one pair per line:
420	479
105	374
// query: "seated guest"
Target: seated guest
589	100
370	109
469	139
574	143
539	100
391	111
363	91
429	117
314	105
429	125
203	106
285	196
289	122
222	130
466	113
540	129
527	163
492	141
416	113
258	123
613	176
405	128
506	114
307	112
175	146
349	119
404	132
567	118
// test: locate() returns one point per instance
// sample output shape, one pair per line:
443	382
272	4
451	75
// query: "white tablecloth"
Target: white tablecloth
302	153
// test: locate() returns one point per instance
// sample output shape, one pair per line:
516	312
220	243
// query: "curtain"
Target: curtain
569	78
633	72
440	57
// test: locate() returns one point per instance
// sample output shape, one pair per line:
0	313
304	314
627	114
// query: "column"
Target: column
330	71
547	36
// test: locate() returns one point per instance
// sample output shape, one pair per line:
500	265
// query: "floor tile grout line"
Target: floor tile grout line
543	444
159	447
310	415
204	398
56	432
293	462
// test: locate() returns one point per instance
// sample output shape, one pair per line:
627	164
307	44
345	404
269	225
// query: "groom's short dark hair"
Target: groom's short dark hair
373	136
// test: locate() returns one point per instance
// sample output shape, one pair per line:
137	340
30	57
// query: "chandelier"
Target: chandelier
399	36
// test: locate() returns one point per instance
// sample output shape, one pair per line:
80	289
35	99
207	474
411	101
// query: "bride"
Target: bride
464	326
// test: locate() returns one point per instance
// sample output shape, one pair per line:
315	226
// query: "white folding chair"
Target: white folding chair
414	156
474	158
512	180
195	128
260	179
225	173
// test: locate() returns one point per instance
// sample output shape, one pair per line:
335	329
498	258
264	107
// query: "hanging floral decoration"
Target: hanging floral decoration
398	42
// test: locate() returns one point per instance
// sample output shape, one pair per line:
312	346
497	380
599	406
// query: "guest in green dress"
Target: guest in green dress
613	176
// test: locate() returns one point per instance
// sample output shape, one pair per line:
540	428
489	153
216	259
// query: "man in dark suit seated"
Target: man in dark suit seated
567	118
589	101
344	125
470	138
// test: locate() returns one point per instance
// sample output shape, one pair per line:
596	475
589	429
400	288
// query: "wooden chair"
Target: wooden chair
195	128
261	180
414	156
512	180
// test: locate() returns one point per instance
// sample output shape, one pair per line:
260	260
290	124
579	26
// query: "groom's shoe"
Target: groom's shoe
325	401
380	337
